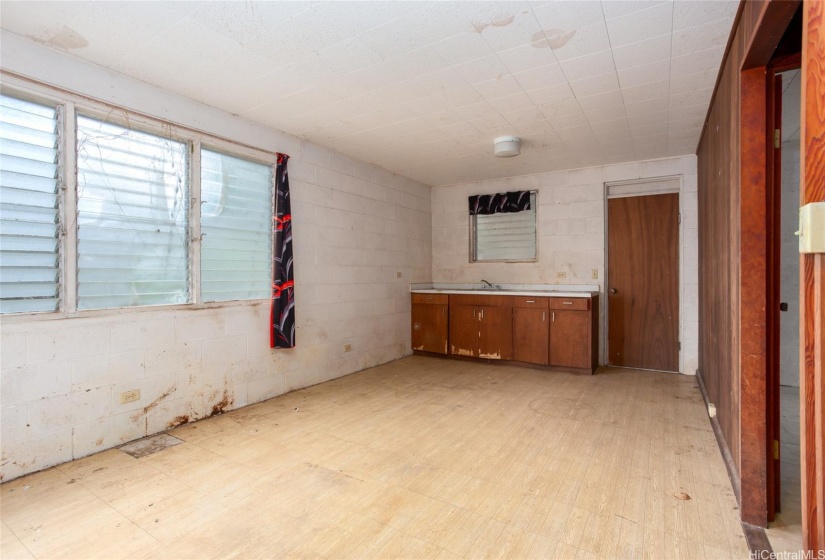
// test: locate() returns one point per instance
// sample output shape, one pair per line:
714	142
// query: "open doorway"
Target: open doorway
785	531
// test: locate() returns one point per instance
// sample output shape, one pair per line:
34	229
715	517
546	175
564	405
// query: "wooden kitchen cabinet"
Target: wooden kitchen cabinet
464	330
495	333
429	323
574	333
543	330
531	335
481	327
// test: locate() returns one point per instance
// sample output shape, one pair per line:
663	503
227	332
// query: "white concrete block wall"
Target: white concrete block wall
356	228
571	234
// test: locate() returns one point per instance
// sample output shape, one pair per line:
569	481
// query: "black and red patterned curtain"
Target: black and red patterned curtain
500	203
282	312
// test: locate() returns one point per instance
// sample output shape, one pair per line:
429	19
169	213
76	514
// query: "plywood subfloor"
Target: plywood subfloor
419	458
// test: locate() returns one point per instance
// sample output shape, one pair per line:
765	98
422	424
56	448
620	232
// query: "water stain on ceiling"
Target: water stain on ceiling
556	38
64	38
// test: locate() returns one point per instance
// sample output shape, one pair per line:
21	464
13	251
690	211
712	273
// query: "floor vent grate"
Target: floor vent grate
150	445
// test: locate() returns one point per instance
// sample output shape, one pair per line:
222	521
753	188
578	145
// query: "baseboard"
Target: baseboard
733	473
756	538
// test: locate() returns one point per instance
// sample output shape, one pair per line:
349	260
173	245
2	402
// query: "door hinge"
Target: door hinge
775	450
679	344
679	218
777	138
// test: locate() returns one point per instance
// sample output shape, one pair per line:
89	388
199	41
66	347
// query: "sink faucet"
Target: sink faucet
491	286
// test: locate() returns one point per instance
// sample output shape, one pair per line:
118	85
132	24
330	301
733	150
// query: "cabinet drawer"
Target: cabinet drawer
481	300
430	298
569	303
530	302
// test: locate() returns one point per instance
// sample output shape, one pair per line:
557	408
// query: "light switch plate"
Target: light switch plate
812	228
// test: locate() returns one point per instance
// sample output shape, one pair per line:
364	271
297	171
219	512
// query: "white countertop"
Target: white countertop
542	293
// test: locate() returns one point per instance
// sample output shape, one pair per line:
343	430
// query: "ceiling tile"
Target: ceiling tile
528	56
512	103
646	92
499	87
551	94
394	82
568	15
689	82
463	47
601	100
613	10
595	84
586	40
561	108
584	66
641	25
701	37
603	114
645	74
482	69
698	61
542	77
503	25
440	81
688	13
643	52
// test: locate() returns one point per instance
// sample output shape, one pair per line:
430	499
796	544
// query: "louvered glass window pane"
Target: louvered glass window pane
132	217
506	237
236	223
28	207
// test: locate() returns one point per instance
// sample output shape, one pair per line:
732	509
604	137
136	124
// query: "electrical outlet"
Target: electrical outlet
130	396
347	347
561	275
594	274
398	274
711	410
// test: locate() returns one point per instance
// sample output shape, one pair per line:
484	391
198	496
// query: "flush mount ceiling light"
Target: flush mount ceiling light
507	146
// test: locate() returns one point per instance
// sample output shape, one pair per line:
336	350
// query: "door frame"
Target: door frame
645	187
758	297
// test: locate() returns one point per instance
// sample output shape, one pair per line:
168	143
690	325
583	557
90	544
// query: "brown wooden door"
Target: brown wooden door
429	328
570	339
495	333
463	330
530	335
643	282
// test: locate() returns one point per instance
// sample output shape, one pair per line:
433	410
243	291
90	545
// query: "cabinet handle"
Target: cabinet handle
567	303
428	299
554	316
543	313
482	314
530	301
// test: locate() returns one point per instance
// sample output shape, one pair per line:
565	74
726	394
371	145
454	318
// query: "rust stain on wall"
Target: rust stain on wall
223	404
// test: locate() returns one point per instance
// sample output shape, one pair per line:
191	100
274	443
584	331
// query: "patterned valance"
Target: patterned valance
500	203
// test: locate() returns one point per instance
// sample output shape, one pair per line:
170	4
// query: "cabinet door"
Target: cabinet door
570	339
429	327
530	335
463	330
495	335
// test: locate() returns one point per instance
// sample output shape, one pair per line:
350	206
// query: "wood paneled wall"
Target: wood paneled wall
719	239
812	286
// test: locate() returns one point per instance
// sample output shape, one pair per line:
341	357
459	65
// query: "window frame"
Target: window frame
473	239
69	105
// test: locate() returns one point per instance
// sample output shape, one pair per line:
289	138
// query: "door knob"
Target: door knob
613	290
